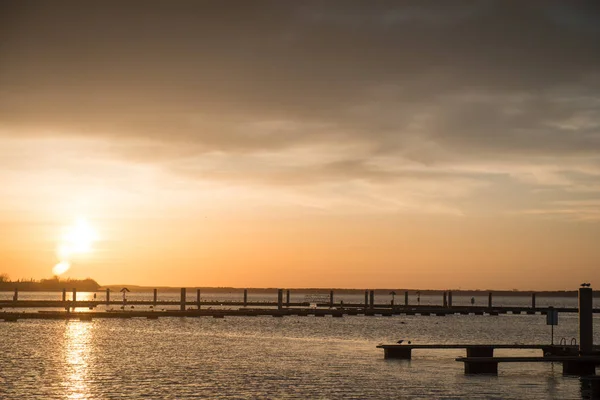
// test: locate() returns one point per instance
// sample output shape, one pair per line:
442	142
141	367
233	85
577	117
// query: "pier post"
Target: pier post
366	298
490	300
182	301
279	298
107	296
331	298
372	298
450	299
287	298
198	298
16	295
245	297
533	300
586	334
74	296
154	297
64	295
445	302
406	299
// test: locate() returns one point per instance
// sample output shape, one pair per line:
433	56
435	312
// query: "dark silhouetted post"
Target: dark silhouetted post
154	297
372	298
182	305
490	299
331	298
198	298
533	300
107	296
445	302
586	331
74	296
245	297
279	298
64	295
450	299
366	298
406	299
16	295
287	298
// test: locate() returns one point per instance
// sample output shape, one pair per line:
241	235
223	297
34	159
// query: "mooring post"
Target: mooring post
366	298
372	298
74	296
64	295
445	302
490	300
287	298
279	299
331	298
533	300
107	296
245	297
586	331
406	298
450	299
16	295
183	298
198	298
154	297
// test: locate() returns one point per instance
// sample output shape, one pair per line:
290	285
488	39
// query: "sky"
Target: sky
347	144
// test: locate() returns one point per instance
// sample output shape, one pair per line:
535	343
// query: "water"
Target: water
265	357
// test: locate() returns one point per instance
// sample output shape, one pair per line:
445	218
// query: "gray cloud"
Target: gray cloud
418	89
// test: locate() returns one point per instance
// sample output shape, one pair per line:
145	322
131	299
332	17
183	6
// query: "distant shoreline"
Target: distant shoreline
88	287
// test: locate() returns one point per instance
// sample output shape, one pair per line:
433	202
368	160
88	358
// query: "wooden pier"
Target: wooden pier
404	351
572	365
579	359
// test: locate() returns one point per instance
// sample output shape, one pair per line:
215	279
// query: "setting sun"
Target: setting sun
76	239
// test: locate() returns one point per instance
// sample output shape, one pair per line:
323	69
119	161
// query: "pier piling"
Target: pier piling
366	298
406	299
533	300
372	298
490	300
198	298
450	299
16	295
279	299
331	298
107	296
74	298
445	300
182	301
64	295
245	297
154	297
287	298
586	334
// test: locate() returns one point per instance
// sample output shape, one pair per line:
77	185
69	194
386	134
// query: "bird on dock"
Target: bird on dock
400	341
409	342
585	284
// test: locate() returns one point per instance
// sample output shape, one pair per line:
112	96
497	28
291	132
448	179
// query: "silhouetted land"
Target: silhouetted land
50	285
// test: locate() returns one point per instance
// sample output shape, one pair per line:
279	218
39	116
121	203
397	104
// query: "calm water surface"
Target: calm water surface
265	357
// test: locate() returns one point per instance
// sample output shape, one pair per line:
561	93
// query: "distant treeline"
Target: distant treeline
50	285
378	292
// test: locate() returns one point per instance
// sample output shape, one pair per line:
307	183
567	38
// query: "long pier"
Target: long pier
345	307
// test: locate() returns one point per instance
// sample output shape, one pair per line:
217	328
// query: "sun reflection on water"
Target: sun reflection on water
77	354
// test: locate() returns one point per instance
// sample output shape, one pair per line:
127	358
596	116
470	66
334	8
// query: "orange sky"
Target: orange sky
339	145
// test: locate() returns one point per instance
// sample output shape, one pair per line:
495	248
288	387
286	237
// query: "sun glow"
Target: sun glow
76	239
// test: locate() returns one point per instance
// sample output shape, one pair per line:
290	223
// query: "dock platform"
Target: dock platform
572	365
404	351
